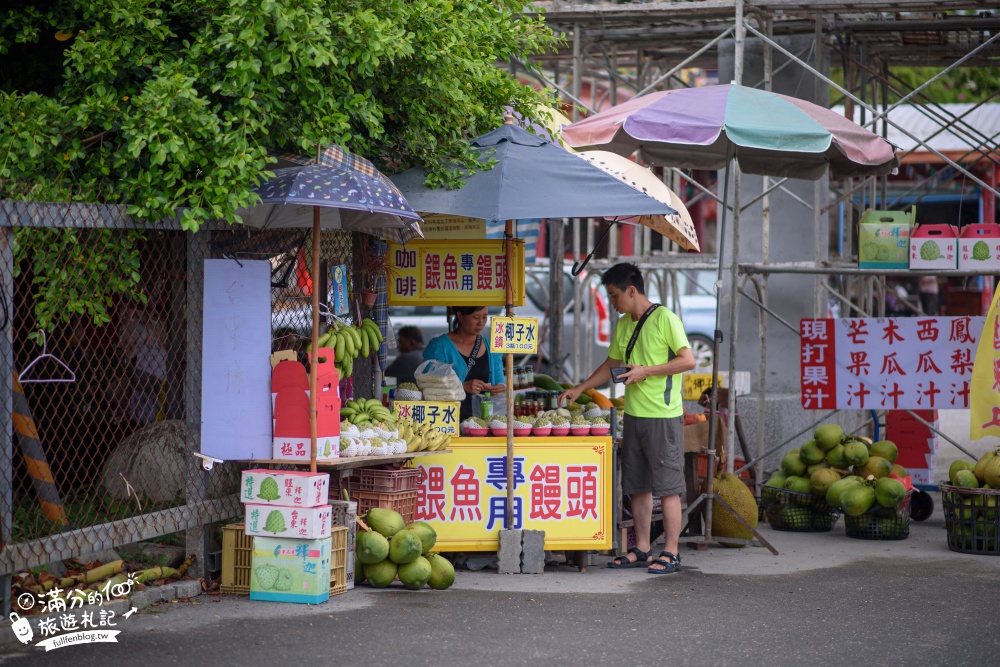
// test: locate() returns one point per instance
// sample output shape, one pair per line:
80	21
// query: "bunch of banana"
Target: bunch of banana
421	437
349	342
366	410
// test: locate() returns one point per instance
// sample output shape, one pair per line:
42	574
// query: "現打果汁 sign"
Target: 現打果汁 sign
561	486
458	272
441	415
514	334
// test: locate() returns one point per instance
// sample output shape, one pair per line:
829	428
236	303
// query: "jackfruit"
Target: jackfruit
980	250
267	575
738	496
929	250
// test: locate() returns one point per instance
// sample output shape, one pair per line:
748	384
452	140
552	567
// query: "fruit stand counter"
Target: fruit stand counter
562	485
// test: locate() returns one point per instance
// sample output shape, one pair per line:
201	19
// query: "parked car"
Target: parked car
697	311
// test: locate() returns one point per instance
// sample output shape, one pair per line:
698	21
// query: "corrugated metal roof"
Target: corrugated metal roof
977	127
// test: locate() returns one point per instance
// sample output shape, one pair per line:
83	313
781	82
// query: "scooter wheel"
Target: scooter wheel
921	505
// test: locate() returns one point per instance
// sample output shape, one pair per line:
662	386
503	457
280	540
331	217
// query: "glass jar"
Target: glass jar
529	376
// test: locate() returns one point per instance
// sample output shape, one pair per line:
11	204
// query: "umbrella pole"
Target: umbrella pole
509	362
314	354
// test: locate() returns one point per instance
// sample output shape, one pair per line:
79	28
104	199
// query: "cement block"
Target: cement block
509	556
533	552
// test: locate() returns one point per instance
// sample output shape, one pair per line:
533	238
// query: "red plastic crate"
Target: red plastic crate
384	480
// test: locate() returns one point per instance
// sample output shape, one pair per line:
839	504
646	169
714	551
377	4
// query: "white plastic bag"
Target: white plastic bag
438	382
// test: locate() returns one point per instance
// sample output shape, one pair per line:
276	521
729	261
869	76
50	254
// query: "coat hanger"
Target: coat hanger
23	379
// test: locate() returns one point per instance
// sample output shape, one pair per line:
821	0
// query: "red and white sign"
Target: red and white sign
905	363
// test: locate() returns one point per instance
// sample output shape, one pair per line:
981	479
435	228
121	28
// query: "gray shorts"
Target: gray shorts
653	455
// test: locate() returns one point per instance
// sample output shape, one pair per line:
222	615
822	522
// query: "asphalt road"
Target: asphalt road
875	611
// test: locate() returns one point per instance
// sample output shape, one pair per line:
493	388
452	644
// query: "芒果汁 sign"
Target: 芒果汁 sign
441	415
516	335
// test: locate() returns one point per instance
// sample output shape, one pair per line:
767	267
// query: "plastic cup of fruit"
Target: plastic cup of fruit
600	429
498	432
522	432
580	429
541	431
560	431
476	432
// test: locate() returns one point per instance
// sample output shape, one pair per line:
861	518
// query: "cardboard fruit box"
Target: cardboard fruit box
884	239
299	522
934	247
284	488
979	248
290	570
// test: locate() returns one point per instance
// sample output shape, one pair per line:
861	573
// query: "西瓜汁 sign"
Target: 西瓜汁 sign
458	272
441	415
514	334
561	486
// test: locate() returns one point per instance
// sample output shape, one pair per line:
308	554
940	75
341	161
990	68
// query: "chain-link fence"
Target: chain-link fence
103	417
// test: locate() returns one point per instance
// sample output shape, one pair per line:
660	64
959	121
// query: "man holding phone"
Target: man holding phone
647	353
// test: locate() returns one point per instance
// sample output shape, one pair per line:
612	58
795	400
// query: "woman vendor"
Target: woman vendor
468	353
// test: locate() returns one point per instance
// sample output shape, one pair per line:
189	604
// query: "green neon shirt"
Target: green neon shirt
661	337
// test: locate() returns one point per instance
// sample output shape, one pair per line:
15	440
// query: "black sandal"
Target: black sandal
641	559
669	567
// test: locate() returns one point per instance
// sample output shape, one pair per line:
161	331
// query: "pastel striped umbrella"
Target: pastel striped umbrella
767	133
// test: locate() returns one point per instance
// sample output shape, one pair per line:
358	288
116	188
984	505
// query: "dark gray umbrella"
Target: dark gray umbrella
532	178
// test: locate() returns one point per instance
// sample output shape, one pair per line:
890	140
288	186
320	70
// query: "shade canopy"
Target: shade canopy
678	227
768	134
532	178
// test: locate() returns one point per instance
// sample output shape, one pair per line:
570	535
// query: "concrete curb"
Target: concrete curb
139	599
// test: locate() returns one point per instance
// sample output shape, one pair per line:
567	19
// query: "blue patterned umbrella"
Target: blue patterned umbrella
347	199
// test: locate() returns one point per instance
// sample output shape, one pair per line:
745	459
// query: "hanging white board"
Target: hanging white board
236	371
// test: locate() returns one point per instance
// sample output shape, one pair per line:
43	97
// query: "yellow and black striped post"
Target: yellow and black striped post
34	458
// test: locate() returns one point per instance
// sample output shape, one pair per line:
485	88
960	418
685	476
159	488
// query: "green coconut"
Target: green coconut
889	492
426	533
827	436
380	574
886	449
415	574
442	572
404	547
385	521
792	463
856	453
371	547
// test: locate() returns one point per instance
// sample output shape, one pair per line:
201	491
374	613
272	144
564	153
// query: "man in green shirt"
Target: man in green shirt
653	434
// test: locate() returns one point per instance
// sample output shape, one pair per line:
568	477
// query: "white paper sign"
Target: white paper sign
236	370
896	363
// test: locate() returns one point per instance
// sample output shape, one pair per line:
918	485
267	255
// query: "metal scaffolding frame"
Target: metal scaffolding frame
645	47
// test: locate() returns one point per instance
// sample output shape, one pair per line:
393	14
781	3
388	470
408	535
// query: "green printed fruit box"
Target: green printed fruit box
284	488
289	570
305	523
934	247
884	239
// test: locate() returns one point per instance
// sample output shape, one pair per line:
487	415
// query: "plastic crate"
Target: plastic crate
384	480
403	502
345	514
971	519
237	552
881	523
797	511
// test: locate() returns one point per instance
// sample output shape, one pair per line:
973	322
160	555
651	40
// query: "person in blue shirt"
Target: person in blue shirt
468	353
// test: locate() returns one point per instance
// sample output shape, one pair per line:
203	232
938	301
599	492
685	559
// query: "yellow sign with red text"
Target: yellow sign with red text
442	415
457	272
517	335
561	486
984	388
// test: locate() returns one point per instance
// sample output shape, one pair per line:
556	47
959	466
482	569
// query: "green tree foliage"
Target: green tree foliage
171	106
